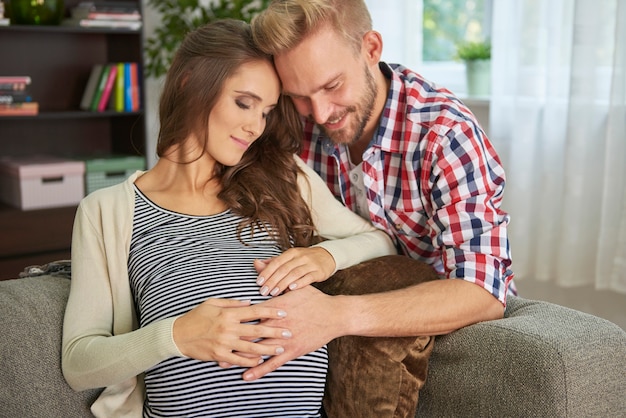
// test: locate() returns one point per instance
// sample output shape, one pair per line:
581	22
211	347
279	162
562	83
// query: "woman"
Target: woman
164	286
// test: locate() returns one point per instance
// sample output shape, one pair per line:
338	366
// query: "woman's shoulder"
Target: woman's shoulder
109	194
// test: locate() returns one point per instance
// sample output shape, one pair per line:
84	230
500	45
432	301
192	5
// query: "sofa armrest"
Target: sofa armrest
542	359
31	381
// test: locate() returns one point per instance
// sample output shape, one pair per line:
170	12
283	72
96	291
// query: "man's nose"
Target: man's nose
320	110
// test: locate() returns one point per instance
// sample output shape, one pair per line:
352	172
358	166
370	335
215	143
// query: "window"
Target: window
449	22
422	34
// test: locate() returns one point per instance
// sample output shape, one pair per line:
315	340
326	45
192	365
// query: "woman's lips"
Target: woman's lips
240	142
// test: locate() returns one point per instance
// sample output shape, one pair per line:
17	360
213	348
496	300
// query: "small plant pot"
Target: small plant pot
478	73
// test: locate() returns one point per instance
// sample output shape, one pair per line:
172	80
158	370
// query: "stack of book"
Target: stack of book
15	98
106	14
112	86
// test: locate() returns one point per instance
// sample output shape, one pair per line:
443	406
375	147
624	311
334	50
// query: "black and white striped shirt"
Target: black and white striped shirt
176	262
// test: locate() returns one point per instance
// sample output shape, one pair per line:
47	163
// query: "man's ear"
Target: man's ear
372	47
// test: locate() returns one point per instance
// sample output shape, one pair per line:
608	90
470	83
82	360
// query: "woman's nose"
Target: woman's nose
255	126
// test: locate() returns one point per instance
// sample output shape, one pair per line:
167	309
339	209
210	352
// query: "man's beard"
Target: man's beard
365	106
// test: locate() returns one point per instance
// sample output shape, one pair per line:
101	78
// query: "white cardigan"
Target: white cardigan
102	345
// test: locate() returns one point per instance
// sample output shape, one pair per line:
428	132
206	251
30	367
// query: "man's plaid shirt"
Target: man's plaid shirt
433	182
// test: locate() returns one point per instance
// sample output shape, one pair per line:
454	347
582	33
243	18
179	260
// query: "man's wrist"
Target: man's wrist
347	313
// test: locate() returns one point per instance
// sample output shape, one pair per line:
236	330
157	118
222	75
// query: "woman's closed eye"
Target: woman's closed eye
242	105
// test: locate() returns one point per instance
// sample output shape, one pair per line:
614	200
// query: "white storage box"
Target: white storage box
41	182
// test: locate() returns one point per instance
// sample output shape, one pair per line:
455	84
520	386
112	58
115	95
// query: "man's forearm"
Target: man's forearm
431	308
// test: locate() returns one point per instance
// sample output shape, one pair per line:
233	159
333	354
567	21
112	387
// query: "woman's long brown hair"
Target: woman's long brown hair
262	187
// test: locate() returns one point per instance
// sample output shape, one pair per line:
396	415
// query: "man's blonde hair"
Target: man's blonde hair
285	23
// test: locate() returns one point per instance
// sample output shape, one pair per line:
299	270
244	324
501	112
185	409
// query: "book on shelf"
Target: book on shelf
108	24
118	97
19	109
131	102
102	81
105	6
132	17
90	88
112	86
108	88
20	82
15	90
15	96
106	14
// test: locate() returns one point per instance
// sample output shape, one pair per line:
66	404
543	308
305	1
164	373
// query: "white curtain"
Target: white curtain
558	120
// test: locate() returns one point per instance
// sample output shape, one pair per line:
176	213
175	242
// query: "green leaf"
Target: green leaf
181	16
469	51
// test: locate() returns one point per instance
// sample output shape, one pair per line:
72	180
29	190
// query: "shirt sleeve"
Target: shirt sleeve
466	185
350	239
93	354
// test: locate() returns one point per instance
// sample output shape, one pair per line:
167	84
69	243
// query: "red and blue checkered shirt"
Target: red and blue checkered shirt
433	181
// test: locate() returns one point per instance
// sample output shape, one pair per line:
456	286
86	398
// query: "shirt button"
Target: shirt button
328	146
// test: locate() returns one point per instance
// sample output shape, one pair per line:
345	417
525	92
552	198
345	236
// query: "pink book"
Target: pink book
108	87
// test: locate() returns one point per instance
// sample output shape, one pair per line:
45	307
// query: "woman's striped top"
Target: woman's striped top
176	262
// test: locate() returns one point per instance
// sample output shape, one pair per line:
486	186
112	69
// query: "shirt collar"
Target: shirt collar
391	126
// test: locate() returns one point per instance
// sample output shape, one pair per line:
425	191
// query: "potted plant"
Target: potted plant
181	16
477	58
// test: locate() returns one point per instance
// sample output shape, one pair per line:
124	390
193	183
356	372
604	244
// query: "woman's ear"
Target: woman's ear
372	46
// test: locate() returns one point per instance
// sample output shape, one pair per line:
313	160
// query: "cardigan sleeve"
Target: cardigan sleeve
349	238
101	345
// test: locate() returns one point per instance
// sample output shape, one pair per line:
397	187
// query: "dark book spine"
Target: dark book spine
9	97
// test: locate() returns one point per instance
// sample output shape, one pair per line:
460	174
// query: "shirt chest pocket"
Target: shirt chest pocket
411	222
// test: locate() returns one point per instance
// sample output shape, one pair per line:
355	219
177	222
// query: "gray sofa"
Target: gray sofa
542	360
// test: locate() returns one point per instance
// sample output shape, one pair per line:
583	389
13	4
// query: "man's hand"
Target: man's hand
294	269
310	315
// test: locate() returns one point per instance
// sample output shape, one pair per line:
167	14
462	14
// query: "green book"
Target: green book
101	84
90	88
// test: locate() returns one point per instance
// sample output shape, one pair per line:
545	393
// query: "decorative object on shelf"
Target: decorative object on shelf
4	21
477	58
181	16
37	12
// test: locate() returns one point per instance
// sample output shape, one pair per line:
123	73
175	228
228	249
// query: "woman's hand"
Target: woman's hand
295	268
217	330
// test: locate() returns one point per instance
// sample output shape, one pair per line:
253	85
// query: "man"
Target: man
399	151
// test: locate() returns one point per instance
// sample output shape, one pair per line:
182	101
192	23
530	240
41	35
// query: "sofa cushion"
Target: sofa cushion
31	381
376	376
